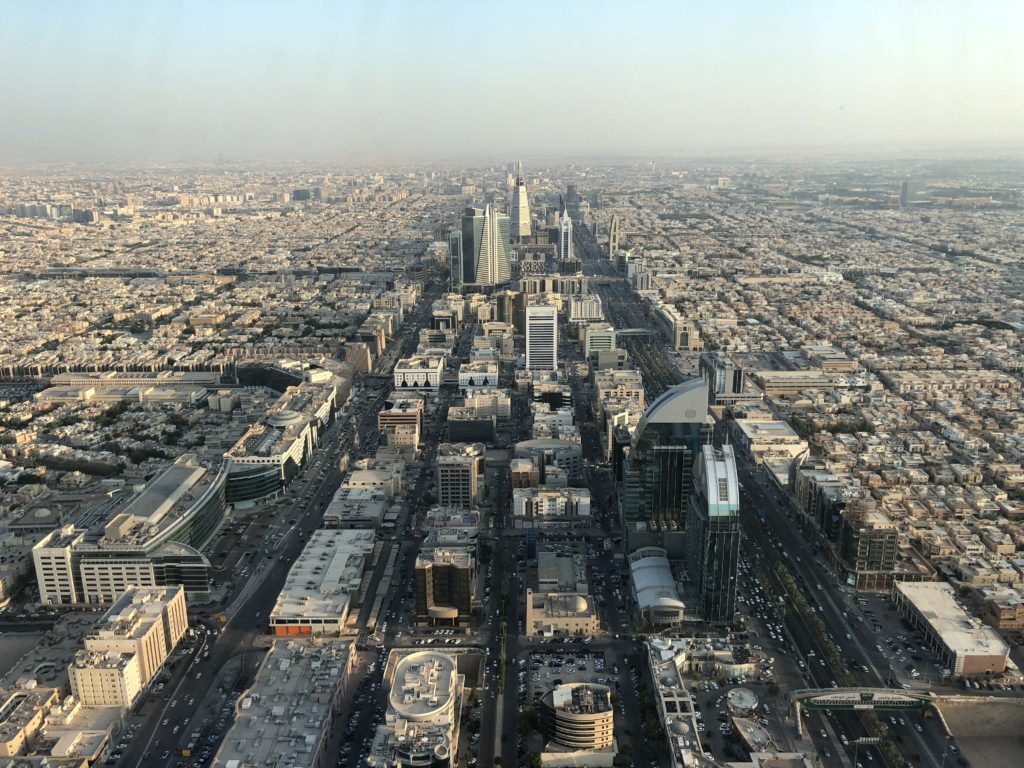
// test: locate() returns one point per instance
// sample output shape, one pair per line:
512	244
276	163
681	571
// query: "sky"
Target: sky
293	80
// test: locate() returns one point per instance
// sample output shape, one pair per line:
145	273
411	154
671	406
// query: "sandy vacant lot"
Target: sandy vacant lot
989	734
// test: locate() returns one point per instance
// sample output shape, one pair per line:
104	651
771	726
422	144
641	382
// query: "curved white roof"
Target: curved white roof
653	582
686	402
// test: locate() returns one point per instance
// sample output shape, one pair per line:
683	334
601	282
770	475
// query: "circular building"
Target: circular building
578	716
741	702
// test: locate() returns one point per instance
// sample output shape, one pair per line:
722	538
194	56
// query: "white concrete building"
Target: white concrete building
419	372
541	337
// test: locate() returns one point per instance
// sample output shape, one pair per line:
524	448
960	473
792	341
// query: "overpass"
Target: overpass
861	698
855	699
636	332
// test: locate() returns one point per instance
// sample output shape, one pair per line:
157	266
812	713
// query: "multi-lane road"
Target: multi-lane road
922	741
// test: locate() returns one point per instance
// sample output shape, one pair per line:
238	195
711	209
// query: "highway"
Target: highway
922	741
226	656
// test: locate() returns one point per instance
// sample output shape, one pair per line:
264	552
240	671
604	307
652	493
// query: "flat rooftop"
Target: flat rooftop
282	718
961	632
324	576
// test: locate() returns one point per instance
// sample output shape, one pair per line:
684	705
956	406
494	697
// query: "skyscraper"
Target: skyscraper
658	472
520	206
565	235
455	258
486	252
613	237
541	337
714	533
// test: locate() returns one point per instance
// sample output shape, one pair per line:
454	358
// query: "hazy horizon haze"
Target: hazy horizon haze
96	81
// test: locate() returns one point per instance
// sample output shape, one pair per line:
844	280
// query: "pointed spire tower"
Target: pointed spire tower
520	207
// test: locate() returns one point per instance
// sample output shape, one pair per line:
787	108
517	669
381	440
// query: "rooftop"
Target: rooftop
961	632
283	717
323	578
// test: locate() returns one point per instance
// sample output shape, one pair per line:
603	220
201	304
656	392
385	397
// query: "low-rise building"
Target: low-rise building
560	613
288	714
317	595
963	644
419	372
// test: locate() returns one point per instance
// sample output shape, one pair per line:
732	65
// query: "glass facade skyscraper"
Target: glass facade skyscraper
714	533
658	472
486	248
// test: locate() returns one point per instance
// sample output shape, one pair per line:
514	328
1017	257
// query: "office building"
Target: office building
961	642
868	548
725	378
486	248
565	236
578	717
613	237
912	192
455	263
460	474
445	579
598	337
153	539
714	533
478	373
658	471
273	450
402	412
541	337
421	725
550	507
317	594
289	713
419	372
520	208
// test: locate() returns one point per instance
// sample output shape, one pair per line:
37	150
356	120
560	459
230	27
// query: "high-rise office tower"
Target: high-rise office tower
541	337
912	192
725	377
565	235
714	533
455	258
486	249
658	472
613	237
520	207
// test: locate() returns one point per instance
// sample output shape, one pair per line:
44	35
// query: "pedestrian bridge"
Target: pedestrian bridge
636	332
861	698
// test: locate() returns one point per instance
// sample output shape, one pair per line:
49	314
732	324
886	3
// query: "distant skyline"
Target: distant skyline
96	81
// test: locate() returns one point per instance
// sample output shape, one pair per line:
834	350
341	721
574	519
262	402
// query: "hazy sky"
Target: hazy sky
147	79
